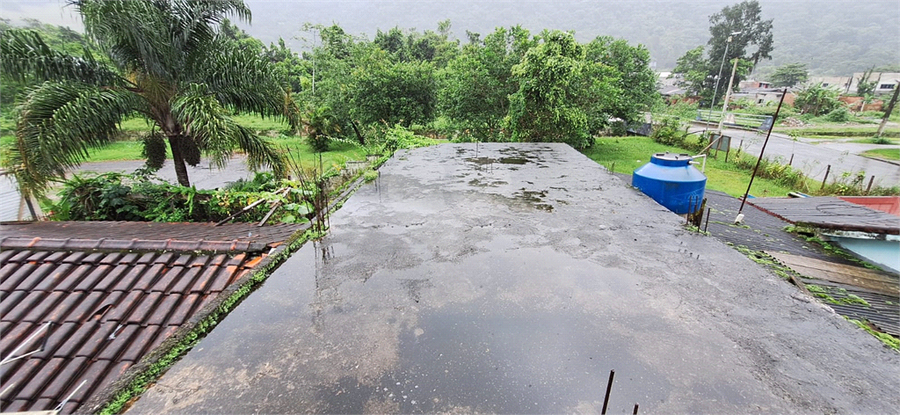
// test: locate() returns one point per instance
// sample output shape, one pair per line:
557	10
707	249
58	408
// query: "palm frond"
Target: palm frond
27	58
207	122
168	34
246	81
57	124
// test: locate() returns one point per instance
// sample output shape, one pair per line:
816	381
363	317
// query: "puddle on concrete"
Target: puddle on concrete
486	183
534	198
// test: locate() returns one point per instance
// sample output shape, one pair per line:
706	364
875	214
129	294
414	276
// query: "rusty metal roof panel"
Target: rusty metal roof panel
110	301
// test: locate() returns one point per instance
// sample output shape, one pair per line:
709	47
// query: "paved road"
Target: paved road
813	156
510	278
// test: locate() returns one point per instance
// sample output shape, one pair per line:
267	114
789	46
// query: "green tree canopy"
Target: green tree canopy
393	92
816	99
789	75
168	64
476	85
738	29
546	107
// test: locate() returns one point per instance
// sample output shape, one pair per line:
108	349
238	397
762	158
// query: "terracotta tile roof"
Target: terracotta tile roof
111	296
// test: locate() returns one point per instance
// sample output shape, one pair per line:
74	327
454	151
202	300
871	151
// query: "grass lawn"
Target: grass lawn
839	131
625	154
130	147
884	153
336	156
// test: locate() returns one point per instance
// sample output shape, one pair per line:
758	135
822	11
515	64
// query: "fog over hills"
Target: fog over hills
832	37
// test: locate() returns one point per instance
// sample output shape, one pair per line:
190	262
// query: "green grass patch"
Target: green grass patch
877	140
839	131
625	154
337	155
883	153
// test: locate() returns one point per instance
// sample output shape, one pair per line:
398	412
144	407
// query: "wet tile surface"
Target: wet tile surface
511	279
108	301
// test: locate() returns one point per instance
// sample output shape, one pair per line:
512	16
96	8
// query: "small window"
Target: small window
760	101
825	84
886	86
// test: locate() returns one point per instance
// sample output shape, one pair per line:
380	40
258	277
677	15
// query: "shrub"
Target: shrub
668	131
143	197
839	114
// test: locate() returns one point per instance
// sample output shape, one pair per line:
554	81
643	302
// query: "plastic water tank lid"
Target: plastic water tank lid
673	157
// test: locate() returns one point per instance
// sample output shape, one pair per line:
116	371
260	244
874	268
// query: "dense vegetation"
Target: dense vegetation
836	37
511	85
164	62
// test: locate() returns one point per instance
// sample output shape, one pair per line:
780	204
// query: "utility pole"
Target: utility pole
719	76
728	95
889	110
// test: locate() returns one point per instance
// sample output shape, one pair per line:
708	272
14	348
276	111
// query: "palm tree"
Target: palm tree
166	63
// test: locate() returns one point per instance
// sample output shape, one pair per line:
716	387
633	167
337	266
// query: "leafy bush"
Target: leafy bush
783	174
142	197
399	137
816	99
668	131
839	114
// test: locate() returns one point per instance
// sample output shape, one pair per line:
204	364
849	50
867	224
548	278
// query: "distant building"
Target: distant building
841	83
885	82
764	96
753	84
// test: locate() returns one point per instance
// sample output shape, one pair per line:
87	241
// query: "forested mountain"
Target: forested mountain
832	37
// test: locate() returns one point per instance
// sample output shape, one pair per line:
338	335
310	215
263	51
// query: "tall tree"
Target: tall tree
741	31
393	92
476	85
546	107
169	64
791	74
630	75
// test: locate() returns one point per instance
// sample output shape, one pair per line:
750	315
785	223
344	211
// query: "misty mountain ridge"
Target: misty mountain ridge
832	37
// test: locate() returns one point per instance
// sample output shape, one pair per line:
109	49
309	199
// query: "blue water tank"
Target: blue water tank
672	181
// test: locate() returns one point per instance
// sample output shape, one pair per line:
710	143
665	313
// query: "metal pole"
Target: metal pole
612	374
719	76
728	95
763	150
869	187
828	170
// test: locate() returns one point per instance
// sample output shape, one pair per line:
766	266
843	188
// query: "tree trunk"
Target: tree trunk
359	136
178	160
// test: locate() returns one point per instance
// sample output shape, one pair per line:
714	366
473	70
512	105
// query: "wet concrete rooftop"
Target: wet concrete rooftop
512	278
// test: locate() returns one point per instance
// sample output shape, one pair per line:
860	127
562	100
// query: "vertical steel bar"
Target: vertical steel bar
612	374
763	150
706	226
869	187
635	410
827	170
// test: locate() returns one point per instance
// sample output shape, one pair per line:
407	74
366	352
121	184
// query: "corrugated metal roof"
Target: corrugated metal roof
109	301
887	204
829	213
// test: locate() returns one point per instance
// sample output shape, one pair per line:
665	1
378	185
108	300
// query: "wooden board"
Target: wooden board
840	273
